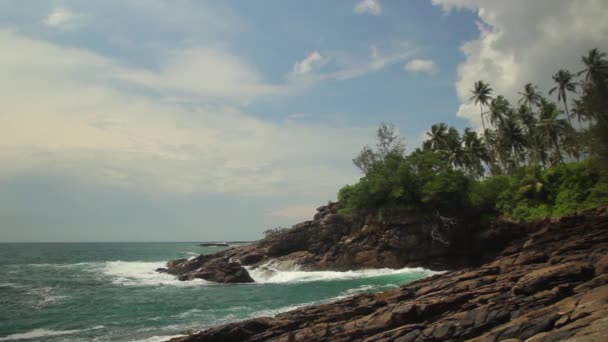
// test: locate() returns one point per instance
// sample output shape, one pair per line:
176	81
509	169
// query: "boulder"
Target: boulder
219	271
208	267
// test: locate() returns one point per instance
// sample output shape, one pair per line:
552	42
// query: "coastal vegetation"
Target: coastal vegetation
535	158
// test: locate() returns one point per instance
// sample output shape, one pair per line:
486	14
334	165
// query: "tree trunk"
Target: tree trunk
557	150
567	111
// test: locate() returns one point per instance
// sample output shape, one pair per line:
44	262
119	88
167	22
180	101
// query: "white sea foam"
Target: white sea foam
189	313
11	285
192	255
282	272
38	334
76	265
157	338
368	288
129	273
274	312
134	273
45	296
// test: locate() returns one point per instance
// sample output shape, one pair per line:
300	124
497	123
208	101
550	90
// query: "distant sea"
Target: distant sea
110	292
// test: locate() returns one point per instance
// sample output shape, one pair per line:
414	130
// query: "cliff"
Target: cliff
549	283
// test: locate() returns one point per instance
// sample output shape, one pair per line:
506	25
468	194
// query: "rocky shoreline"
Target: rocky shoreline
550	284
335	242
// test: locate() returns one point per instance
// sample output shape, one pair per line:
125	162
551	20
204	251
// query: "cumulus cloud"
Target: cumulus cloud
421	65
369	7
63	18
525	41
66	114
307	64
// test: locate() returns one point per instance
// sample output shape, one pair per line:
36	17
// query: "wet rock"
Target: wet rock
219	270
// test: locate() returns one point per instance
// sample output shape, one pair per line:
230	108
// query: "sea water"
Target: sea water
111	292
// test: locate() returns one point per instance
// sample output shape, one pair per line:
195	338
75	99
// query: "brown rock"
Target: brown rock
551	276
601	266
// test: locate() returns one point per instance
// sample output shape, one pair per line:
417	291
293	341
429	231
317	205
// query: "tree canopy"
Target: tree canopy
524	164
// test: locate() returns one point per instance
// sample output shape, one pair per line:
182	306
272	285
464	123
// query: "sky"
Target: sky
158	120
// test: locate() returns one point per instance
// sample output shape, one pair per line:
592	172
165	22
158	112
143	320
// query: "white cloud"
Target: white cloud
368	6
307	64
64	18
300	212
421	65
378	59
339	65
204	71
526	41
66	114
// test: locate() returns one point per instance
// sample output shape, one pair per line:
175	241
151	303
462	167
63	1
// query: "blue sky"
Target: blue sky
159	120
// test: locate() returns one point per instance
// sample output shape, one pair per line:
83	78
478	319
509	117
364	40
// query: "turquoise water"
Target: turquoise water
110	292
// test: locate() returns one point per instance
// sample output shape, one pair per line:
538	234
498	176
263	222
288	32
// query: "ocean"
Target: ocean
110	292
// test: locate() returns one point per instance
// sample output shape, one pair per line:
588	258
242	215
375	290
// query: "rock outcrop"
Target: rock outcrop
550	284
213	244
335	242
210	268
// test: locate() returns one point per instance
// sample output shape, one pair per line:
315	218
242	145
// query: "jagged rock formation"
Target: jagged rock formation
334	242
549	285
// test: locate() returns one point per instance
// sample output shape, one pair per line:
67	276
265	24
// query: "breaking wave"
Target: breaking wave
134	273
288	272
38	334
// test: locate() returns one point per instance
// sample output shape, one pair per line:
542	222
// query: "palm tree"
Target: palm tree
551	127
528	122
563	78
474	152
537	147
499	108
526	117
482	95
530	96
571	142
438	136
511	142
490	141
578	112
596	66
453	149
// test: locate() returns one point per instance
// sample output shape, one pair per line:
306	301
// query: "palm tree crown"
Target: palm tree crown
530	96
563	78
482	94
596	66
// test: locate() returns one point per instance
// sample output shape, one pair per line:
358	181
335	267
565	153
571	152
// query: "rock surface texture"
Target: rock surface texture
549	285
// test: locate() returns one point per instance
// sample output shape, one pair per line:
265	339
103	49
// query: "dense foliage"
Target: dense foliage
533	193
525	164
